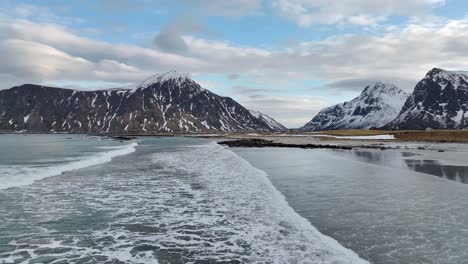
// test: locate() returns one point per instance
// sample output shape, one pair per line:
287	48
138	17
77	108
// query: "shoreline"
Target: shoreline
372	139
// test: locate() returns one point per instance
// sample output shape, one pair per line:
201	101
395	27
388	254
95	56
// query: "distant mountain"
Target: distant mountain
375	107
439	101
272	123
169	102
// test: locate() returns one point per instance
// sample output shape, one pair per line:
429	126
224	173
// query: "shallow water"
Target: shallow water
388	206
416	162
172	200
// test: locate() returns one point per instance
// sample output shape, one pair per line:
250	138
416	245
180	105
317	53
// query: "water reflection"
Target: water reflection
372	202
433	167
401	159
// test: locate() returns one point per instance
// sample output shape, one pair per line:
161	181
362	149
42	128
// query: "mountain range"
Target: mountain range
169	102
174	103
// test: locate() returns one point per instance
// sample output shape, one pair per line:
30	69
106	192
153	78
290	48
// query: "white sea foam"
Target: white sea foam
15	176
192	204
259	213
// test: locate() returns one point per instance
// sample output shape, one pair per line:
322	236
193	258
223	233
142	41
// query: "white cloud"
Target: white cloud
232	8
404	53
360	12
291	111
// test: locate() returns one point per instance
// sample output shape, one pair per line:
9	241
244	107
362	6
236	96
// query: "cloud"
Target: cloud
52	63
225	8
401	55
361	12
249	90
358	85
171	39
231	8
38	13
234	76
123	5
290	111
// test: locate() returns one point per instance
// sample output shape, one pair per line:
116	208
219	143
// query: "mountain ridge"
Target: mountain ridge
168	102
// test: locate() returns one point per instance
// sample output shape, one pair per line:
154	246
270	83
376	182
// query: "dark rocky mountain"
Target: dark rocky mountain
272	123
439	101
376	106
169	102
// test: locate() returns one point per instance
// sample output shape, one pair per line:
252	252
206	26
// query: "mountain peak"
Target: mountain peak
434	71
171	75
379	88
376	106
443	77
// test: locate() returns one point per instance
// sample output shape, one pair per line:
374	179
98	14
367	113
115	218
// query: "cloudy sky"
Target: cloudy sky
286	58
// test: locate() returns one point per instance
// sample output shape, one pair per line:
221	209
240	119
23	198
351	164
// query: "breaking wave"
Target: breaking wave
15	176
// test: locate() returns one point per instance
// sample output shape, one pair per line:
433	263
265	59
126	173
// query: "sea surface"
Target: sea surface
79	199
390	207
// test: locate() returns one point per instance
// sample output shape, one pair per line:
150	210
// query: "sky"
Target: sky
285	58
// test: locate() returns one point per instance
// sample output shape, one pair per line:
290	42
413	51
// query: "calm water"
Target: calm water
388	206
171	200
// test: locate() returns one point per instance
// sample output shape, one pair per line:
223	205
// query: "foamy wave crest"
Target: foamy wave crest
16	176
239	201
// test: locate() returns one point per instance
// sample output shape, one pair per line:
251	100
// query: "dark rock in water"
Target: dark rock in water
164	103
122	138
261	143
255	142
439	101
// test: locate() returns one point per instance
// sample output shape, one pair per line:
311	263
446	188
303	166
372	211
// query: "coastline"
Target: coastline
438	140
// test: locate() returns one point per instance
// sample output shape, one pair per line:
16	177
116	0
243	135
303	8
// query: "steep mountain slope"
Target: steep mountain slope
376	106
438	101
169	102
272	123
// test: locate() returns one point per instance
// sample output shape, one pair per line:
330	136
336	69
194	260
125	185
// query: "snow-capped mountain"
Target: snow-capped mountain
272	123
169	102
376	106
438	101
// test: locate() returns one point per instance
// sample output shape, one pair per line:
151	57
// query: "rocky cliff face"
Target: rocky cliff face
169	102
439	101
376	106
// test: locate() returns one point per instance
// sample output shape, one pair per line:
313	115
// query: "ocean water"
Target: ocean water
76	199
390	207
